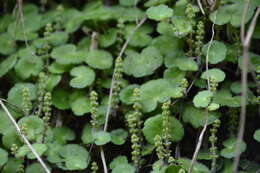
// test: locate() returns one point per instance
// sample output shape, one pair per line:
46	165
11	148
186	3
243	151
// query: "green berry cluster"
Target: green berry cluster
41	92
200	32
94	167
135	125
24	129
94	109
47	107
120	34
213	140
58	19
117	82
21	168
190	12
27	104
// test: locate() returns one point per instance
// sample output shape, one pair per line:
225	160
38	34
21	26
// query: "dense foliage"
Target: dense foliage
77	94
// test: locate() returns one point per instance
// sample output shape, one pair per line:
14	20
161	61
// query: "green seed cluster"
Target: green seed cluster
117	82
41	93
213	85
166	129
213	140
94	109
94	167
120	34
27	104
14	149
47	103
200	33
24	129
58	18
135	125
21	168
190	12
184	85
159	148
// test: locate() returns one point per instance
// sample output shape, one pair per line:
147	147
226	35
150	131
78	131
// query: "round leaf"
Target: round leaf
230	148
257	135
159	12
126	94
140	65
118	136
217	52
79	103
215	74
60	98
153	126
3	157
99	59
83	77
7	65
101	137
127	168
202	99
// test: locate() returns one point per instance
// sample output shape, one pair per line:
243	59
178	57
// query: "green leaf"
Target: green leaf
140	65
83	77
126	167
128	2
60	98
118	136
184	64
7	64
119	160
101	137
214	73
230	148
29	65
126	94
99	59
257	135
68	54
213	107
39	148
7	44
109	38
174	75
13	165
11	137
182	26
63	134
223	97
87	136
159	12
57	38
52	81
34	126
3	157
155	91
76	157
217	51
15	94
35	167
173	169
198	167
197	117
202	98
154	126
141	36
79	103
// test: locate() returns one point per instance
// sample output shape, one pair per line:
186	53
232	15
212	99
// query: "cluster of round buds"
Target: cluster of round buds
58	19
21	168
24	129
48	30
184	85
159	147
213	84
213	140
136	149
94	167
27	104
94	108
166	123
47	107
41	92
117	82
200	32
14	149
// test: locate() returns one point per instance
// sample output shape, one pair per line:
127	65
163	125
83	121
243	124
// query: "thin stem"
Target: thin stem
24	137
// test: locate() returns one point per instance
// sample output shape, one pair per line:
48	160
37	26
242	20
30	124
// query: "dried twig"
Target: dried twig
199	143
246	44
201	8
113	76
24	137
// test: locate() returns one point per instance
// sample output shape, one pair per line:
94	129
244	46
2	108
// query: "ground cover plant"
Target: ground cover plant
129	86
